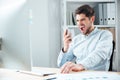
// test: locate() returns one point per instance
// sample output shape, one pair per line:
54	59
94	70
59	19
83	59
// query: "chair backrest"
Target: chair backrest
111	58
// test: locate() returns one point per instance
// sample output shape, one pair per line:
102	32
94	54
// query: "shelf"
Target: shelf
112	26
90	0
105	25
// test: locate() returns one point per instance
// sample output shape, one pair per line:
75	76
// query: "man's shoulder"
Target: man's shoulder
78	36
105	32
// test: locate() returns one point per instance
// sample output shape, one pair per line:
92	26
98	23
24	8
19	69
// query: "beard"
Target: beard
88	30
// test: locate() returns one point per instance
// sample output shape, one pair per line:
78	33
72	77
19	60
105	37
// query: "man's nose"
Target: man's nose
80	23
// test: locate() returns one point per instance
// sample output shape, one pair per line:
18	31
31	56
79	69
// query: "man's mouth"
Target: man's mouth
82	28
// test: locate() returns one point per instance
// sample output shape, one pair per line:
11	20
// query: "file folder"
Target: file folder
99	14
109	13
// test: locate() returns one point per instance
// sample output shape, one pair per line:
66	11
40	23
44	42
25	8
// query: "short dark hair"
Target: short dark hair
85	9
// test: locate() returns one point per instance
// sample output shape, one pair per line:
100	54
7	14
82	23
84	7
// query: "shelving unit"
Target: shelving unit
69	6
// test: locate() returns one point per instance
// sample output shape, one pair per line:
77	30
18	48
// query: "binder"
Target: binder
105	13
98	14
109	13
112	13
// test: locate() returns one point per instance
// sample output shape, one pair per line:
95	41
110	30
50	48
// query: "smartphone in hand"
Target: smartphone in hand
66	31
69	34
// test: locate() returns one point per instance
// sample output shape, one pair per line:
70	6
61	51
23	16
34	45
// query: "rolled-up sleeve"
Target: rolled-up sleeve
65	57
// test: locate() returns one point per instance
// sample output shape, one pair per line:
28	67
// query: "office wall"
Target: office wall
14	30
44	32
54	31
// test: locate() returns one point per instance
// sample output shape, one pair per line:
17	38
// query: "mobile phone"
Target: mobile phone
66	31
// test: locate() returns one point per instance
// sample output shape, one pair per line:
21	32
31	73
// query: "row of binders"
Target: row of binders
105	14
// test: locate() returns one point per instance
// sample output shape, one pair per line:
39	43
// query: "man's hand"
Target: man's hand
67	40
69	66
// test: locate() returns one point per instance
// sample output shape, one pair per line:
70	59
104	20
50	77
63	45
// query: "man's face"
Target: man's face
84	23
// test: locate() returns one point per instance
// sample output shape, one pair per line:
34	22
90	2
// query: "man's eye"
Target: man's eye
82	19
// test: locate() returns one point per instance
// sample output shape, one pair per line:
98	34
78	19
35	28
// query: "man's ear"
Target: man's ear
93	19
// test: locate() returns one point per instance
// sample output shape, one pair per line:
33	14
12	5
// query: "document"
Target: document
37	73
89	76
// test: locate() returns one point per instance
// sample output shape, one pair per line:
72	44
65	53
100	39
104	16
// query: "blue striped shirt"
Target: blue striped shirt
92	51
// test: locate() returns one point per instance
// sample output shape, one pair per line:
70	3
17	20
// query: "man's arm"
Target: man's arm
65	57
66	52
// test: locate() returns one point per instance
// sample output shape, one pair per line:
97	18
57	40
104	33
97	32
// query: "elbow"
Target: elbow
59	64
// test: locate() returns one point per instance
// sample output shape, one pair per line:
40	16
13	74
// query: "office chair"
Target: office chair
111	58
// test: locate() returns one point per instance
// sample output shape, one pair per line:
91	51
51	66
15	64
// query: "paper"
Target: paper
89	76
43	72
37	73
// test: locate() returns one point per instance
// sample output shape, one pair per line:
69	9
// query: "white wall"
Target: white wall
54	31
45	32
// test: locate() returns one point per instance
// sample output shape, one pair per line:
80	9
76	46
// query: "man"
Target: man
92	48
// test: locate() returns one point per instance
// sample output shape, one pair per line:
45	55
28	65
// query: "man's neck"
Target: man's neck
91	29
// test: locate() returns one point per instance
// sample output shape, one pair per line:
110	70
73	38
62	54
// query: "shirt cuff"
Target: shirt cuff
84	65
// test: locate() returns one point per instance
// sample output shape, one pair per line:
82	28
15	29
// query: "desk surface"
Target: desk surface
6	74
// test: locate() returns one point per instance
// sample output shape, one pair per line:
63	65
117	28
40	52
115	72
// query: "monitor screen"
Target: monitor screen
14	31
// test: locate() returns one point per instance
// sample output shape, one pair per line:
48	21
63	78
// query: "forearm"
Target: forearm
91	61
64	57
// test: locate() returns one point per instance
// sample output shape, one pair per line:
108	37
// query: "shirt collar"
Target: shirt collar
93	32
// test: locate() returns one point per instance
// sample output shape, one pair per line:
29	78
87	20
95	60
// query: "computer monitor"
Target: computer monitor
14	31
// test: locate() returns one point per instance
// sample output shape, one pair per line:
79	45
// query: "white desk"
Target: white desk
6	74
